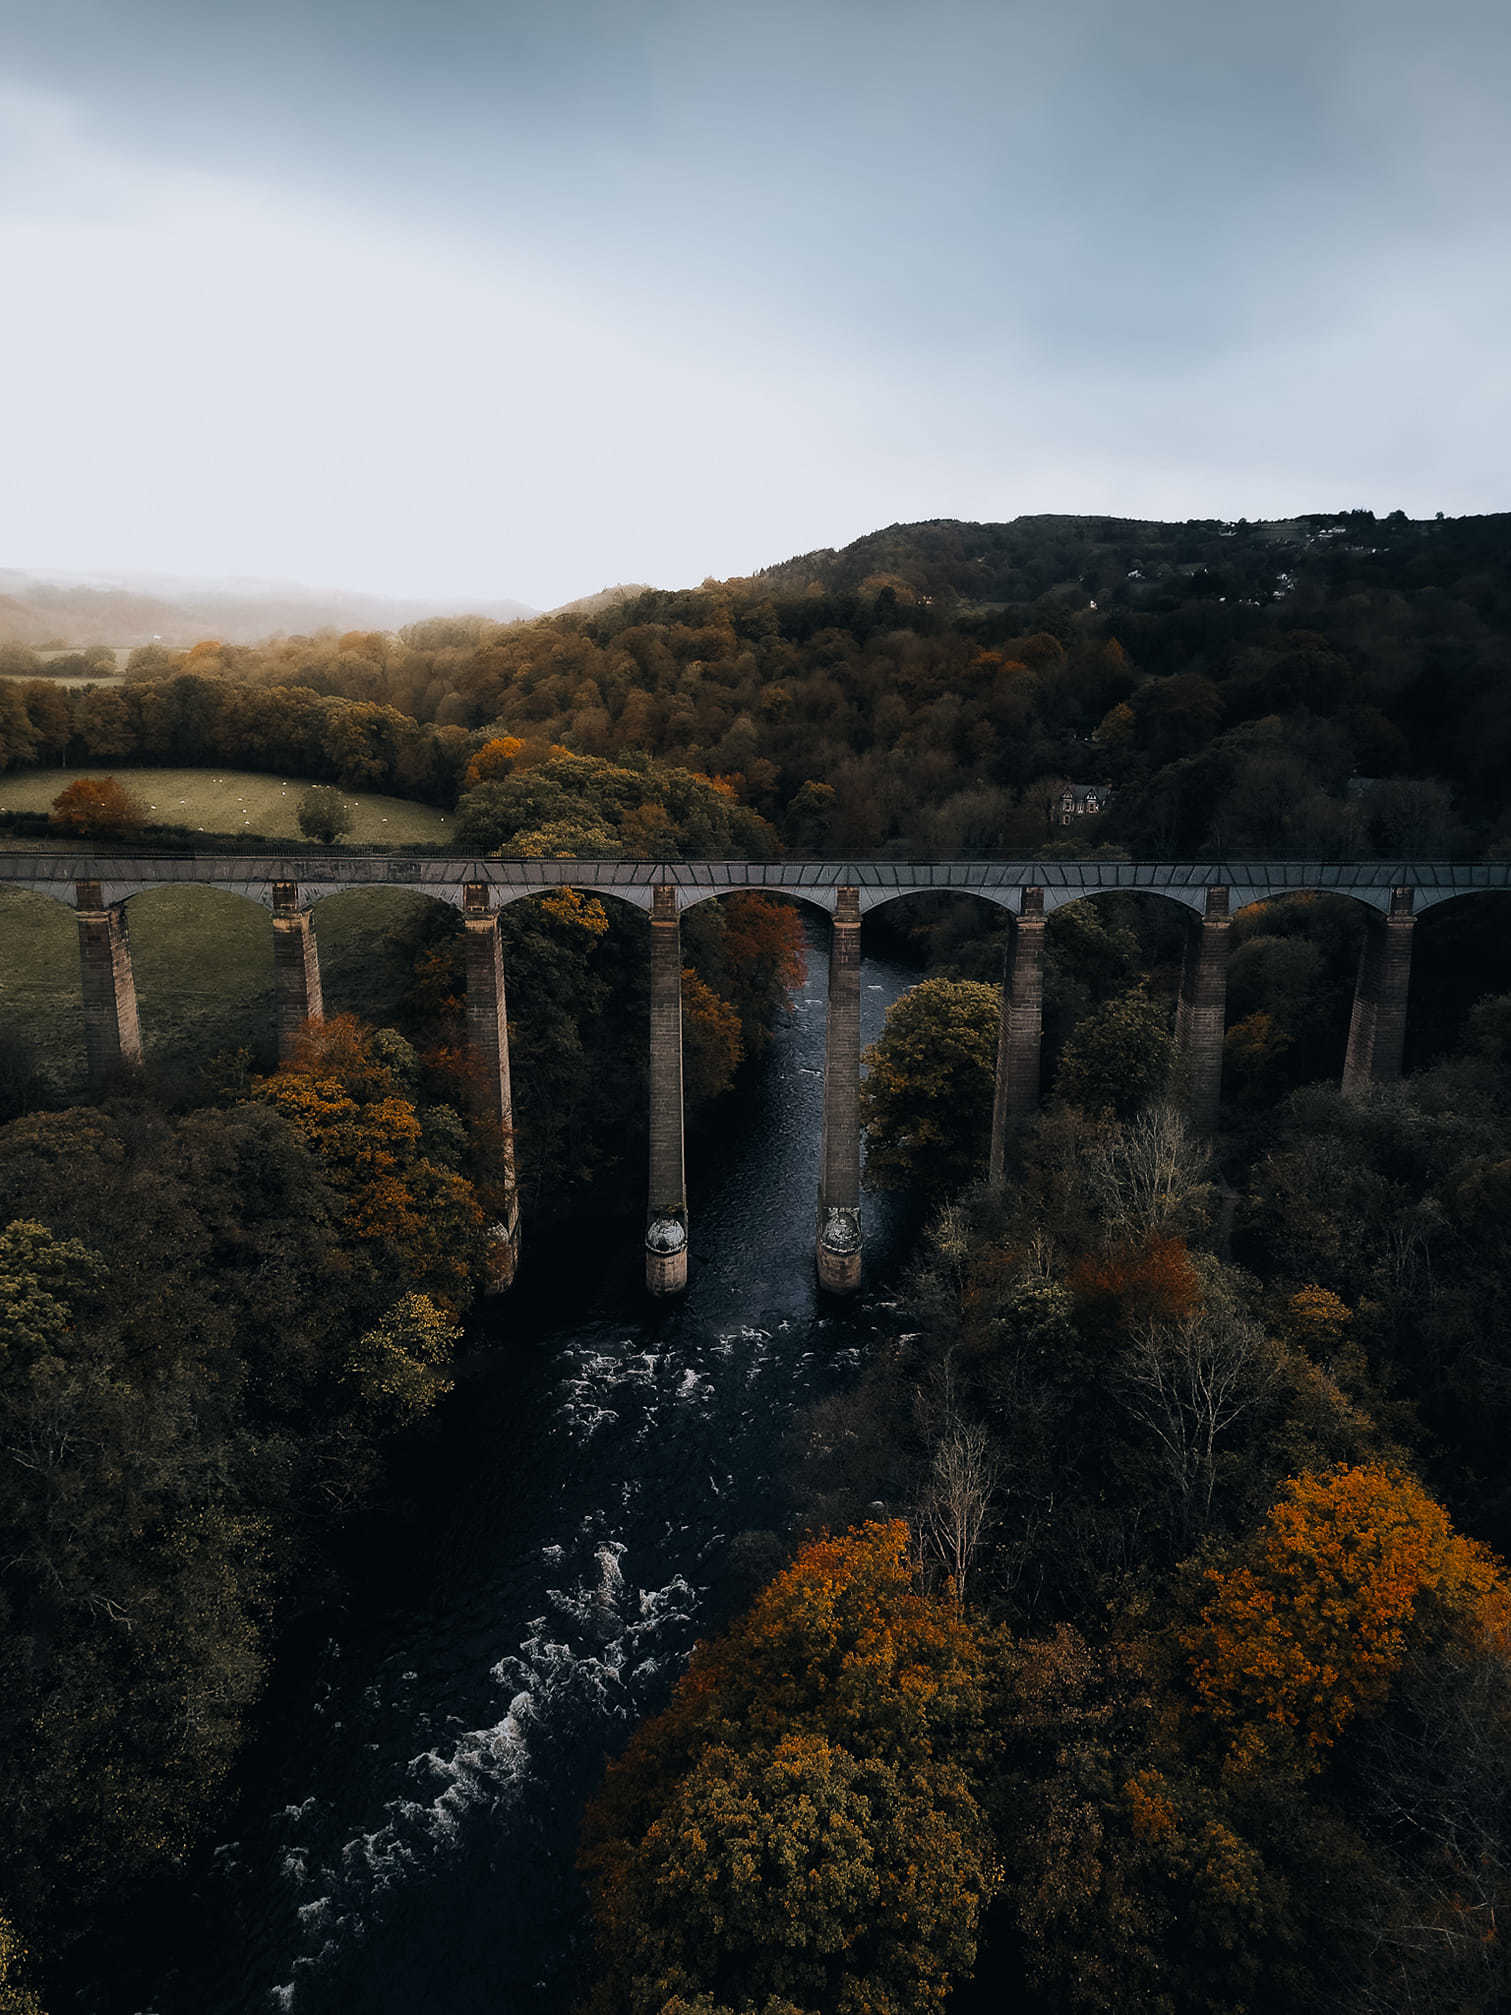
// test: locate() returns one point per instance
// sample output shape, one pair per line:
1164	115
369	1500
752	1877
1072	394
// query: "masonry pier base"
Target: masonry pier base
839	1271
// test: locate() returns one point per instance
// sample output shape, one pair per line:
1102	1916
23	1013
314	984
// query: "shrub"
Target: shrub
97	807
324	814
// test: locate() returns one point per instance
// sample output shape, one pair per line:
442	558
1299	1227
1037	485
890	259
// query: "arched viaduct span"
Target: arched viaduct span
1393	893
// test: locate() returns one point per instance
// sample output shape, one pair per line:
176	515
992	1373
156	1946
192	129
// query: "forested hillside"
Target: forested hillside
1334	685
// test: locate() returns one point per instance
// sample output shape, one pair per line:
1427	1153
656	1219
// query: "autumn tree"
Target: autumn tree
1146	1280
1307	1632
403	1366
684	813
502	754
407	1218
926	1100
97	808
800	1822
711	1045
1132	1885
750	950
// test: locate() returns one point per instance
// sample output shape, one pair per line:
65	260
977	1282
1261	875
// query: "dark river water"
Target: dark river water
404	1835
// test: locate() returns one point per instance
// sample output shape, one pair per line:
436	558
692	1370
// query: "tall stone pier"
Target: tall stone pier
1201	1017
488	1055
839	1234
1020	1030
666	1203
1377	1028
296	968
112	1034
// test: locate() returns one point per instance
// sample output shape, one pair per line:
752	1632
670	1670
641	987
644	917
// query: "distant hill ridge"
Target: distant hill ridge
959	561
606	598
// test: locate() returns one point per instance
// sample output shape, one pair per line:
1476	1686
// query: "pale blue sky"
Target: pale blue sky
477	300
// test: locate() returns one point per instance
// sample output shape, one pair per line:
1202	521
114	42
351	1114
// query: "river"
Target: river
403	1836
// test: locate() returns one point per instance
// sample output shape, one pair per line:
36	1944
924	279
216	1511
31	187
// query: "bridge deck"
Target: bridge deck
121	876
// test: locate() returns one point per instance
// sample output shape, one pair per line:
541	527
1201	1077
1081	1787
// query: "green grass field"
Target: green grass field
203	961
233	801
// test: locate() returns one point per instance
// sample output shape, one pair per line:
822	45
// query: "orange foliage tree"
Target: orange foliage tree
750	949
1152	1281
764	938
1310	1629
711	1045
408	1221
504	754
1317	1319
800	1821
97	806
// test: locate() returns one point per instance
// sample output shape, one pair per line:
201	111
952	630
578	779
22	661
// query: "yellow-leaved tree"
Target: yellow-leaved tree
1310	1628
799	1828
408	1221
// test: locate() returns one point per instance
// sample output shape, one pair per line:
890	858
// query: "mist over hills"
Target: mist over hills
76	610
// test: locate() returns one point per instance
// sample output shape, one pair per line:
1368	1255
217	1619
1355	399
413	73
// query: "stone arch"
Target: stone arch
1437	899
1184	908
1189	964
61	893
201	967
502	894
1191	899
121	896
350	920
41	1005
822	900
1462	955
314	894
1009	899
1374	902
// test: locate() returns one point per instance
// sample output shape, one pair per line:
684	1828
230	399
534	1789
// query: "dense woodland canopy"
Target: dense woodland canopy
1332	685
1145	1580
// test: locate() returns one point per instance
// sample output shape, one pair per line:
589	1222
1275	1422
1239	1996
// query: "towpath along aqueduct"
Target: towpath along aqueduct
1393	894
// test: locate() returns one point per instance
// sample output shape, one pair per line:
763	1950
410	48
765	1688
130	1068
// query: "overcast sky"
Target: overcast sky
468	298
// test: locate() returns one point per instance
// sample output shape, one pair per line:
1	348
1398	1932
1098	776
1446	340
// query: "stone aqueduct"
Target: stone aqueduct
1393	895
